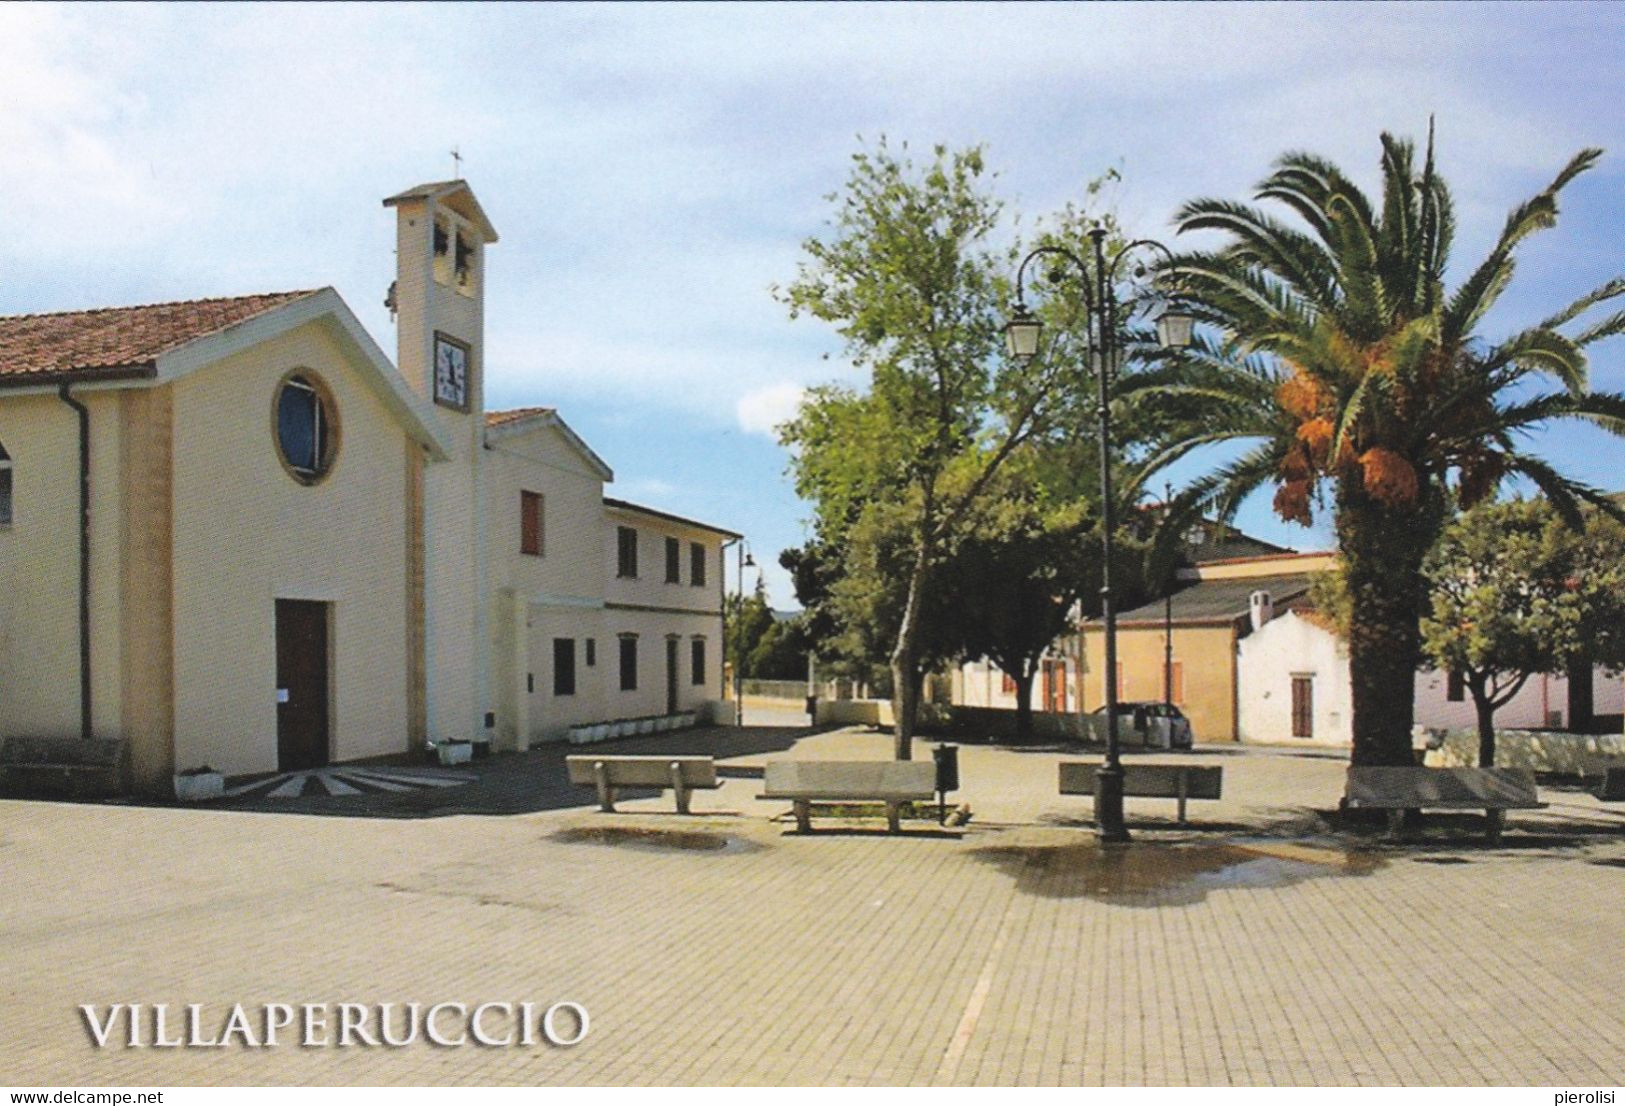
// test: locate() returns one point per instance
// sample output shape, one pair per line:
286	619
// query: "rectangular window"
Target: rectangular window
626	547
696	564
674	561
629	663
530	523
5	487
592	652
564	666
1455	686
697	659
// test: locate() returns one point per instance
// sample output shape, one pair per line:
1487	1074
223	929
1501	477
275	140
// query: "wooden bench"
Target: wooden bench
1148	781
610	774
63	765
892	782
1398	789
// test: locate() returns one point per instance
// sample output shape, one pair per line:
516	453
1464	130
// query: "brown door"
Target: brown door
1303	706
1054	697
671	675
301	682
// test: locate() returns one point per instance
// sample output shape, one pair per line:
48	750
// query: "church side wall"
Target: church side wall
39	567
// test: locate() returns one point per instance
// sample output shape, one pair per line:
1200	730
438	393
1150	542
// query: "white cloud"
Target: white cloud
763	410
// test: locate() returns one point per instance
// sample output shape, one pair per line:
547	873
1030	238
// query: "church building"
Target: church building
234	534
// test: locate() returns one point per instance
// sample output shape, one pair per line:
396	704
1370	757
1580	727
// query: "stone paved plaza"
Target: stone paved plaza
1259	945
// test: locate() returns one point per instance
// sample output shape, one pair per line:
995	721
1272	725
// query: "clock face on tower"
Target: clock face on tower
450	372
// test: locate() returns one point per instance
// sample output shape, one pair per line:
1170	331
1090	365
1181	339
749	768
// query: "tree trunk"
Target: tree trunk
1024	702
1382	553
1486	726
905	674
1582	716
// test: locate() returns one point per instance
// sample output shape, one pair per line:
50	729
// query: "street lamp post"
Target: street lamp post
1167	618
744	560
1021	335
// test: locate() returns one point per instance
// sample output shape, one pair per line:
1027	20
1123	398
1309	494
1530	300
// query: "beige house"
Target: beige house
234	534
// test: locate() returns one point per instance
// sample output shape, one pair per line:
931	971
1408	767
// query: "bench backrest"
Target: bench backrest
1147	781
896	780
66	751
1398	786
644	771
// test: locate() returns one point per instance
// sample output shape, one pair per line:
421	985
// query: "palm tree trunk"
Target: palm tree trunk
1382	553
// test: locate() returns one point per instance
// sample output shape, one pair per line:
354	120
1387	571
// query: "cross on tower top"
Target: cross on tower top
457	164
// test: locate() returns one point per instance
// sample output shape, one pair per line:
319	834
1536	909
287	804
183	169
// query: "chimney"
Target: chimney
1261	608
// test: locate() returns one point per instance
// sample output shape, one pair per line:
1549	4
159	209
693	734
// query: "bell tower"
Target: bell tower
439	299
439	294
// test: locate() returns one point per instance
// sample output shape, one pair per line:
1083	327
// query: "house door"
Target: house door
1303	706
1055	686
671	675
301	682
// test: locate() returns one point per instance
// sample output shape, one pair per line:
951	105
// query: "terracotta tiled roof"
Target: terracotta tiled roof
502	418
117	341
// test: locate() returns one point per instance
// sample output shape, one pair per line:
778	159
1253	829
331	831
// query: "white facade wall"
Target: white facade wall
1542	702
980	683
247	534
1292	645
1268	659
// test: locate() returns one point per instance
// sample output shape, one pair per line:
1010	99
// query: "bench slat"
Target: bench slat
1146	781
644	771
1377	787
849	780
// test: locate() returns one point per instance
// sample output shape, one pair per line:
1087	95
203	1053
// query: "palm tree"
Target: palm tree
1358	382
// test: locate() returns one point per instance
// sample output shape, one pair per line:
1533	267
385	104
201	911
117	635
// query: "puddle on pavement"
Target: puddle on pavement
1167	875
654	840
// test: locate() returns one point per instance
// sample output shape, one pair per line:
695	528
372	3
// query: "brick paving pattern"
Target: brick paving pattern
1259	945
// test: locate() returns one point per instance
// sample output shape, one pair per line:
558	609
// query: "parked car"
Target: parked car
1154	725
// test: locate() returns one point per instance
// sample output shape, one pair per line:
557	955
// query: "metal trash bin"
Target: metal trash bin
947	758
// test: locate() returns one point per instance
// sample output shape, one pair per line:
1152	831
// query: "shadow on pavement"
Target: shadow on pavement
505	783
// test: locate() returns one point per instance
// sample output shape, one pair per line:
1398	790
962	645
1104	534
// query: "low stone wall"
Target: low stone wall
959	721
1568	754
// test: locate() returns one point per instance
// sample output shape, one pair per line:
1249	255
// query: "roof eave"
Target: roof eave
113	375
551	419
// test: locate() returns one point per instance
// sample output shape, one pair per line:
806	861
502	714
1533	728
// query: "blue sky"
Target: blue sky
654	168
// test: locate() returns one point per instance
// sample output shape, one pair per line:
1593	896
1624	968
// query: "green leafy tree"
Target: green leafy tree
1357	379
1514	590
906	275
748	620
